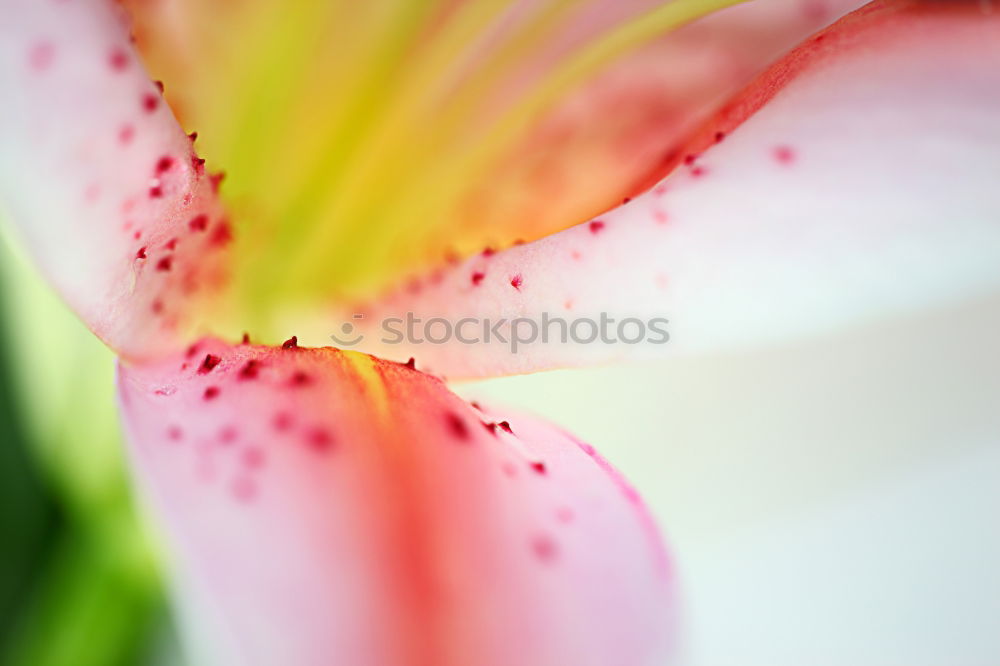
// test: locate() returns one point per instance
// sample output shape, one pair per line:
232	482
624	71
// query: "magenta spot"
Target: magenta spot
141	254
191	350
291	343
784	154
488	252
155	192
300	378
411	363
544	548
626	200
150	102
174	433
539	467
246	339
250	370
171	244
198	223
159	86
193	136
509	469
564	514
719	136
660	216
491	427
596	226
689	159
476	405
208	364
118	60
211	393
126	134
456	425
165	264
516	281
477	278
41	55
156	306
698	171
198	164
505	426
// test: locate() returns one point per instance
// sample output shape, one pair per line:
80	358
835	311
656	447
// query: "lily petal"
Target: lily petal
327	507
98	179
365	142
853	181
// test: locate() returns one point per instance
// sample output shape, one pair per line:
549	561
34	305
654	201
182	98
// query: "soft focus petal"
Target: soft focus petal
365	141
859	184
326	507
98	179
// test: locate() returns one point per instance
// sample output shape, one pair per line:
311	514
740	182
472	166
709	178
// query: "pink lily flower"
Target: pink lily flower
329	506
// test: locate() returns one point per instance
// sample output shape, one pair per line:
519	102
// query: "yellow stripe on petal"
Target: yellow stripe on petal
362	141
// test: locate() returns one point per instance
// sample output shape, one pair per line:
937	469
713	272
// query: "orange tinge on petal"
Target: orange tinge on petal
326	507
366	142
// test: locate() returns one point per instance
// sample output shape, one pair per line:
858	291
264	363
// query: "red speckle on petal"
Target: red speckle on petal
171	244
491	427
155	192
198	223
660	216
253	457
164	163
174	433
250	370
246	339
564	514
165	264
125	134
228	435
596	226
118	60
198	164
41	55
477	278
719	136
412	363
300	378
516	281
156	306
221	235
291	343
159	86
698	171
150	102
141	254
211	393
689	159
208	364
319	440
244	490
539	467
282	421
544	548
626	200
216	179
505	426
456	425
193	136
784	154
